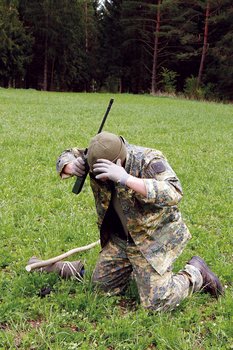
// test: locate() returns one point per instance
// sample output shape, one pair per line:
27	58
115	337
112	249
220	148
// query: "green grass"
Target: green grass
40	216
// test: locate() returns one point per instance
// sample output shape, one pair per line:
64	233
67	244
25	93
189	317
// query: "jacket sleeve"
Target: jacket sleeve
66	157
162	185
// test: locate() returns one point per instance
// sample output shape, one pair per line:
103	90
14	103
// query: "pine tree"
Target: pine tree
219	66
154	85
15	46
60	52
110	59
205	42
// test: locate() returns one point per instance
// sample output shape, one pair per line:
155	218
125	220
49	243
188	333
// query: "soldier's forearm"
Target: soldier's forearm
161	192
66	157
137	185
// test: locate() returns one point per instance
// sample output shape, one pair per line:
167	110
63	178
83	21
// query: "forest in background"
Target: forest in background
126	46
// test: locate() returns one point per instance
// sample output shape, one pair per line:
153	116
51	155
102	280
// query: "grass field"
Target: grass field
40	216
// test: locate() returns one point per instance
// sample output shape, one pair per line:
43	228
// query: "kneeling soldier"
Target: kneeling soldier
141	229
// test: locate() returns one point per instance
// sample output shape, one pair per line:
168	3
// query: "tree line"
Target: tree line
150	46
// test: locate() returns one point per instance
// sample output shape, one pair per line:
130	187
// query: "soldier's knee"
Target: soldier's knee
98	282
107	287
161	299
158	305
94	278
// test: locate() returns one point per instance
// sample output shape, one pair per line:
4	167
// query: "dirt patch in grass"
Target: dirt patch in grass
4	326
35	323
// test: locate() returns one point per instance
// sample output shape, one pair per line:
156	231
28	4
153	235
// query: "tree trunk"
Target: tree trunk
45	73
154	86
86	26
120	85
52	76
205	43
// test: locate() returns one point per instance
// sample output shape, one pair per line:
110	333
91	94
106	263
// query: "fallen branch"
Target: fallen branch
63	256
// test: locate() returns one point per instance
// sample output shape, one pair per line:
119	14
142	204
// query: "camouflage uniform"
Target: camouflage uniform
156	232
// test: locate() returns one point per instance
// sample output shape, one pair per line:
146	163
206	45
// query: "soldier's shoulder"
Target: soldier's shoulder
153	155
147	152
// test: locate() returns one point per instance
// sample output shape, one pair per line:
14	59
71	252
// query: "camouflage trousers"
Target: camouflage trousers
119	261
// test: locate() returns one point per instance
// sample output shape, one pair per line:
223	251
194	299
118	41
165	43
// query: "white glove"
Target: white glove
77	167
111	171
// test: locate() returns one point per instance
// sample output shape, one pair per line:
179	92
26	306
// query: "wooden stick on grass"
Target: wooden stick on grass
43	263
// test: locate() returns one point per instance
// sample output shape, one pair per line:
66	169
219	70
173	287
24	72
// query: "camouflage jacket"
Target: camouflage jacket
154	222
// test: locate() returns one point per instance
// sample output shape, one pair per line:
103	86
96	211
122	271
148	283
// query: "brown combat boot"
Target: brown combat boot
211	283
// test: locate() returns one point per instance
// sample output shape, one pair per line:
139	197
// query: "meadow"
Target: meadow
40	216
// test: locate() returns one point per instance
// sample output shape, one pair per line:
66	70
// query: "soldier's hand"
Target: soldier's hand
77	167
106	169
